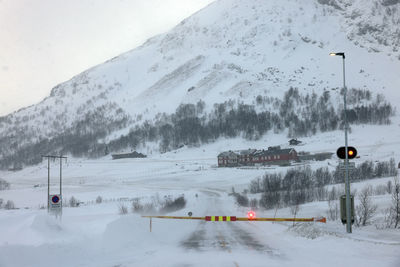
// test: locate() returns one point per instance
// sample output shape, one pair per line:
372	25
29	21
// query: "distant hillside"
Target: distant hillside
230	55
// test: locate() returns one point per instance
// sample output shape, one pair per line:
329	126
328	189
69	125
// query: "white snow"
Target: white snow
96	235
219	51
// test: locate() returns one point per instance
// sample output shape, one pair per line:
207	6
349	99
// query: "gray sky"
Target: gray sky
46	42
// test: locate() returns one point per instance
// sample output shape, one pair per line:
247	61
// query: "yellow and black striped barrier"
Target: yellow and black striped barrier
234	218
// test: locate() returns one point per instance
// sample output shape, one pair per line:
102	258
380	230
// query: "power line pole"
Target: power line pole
48	179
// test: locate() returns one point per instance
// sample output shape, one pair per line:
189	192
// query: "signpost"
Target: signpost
351	166
54	202
55	205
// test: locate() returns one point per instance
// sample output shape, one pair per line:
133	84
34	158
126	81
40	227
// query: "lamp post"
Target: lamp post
346	161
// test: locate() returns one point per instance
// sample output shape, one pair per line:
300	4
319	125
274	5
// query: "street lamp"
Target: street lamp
346	161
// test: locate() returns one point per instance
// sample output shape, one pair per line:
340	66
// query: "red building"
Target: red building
250	157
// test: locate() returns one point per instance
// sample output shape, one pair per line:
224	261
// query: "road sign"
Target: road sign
55	204
351	166
55	199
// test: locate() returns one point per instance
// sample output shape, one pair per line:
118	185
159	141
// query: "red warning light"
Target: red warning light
251	215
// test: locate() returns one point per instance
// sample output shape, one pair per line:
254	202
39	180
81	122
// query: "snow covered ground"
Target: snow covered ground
97	235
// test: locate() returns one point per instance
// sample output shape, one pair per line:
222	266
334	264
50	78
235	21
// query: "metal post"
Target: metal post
48	180
61	184
48	184
347	178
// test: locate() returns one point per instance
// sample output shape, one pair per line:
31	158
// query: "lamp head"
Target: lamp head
337	54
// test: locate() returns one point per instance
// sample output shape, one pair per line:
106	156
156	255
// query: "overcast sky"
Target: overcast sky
46	42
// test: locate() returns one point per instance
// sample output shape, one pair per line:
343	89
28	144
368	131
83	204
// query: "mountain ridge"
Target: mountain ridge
232	49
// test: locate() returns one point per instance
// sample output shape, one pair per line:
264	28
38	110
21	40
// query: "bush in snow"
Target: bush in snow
173	205
73	202
333	211
4	184
241	200
122	209
392	214
366	209
1	203
254	204
389	187
380	189
99	200
9	205
137	207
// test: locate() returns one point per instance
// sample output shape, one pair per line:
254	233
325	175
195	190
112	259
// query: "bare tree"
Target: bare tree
4	184
395	208
389	187
122	208
99	200
294	209
392	214
73	202
9	205
366	209
333	211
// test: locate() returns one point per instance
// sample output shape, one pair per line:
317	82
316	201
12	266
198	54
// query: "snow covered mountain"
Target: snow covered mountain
230	50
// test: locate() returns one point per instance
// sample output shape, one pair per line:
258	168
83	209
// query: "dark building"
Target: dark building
133	154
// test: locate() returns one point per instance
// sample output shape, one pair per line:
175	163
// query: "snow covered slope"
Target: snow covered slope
232	49
94	234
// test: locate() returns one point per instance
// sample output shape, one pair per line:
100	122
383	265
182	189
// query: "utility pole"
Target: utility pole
49	204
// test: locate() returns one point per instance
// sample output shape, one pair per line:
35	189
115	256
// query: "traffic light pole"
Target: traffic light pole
346	162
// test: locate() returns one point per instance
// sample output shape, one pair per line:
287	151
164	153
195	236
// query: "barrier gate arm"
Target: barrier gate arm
318	219
234	218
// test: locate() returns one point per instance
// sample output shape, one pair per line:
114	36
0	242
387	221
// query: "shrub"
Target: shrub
242	200
9	205
173	205
136	206
73	202
333	211
122	209
4	185
99	200
366	209
254	204
380	189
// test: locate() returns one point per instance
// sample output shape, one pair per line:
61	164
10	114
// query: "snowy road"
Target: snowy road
225	236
